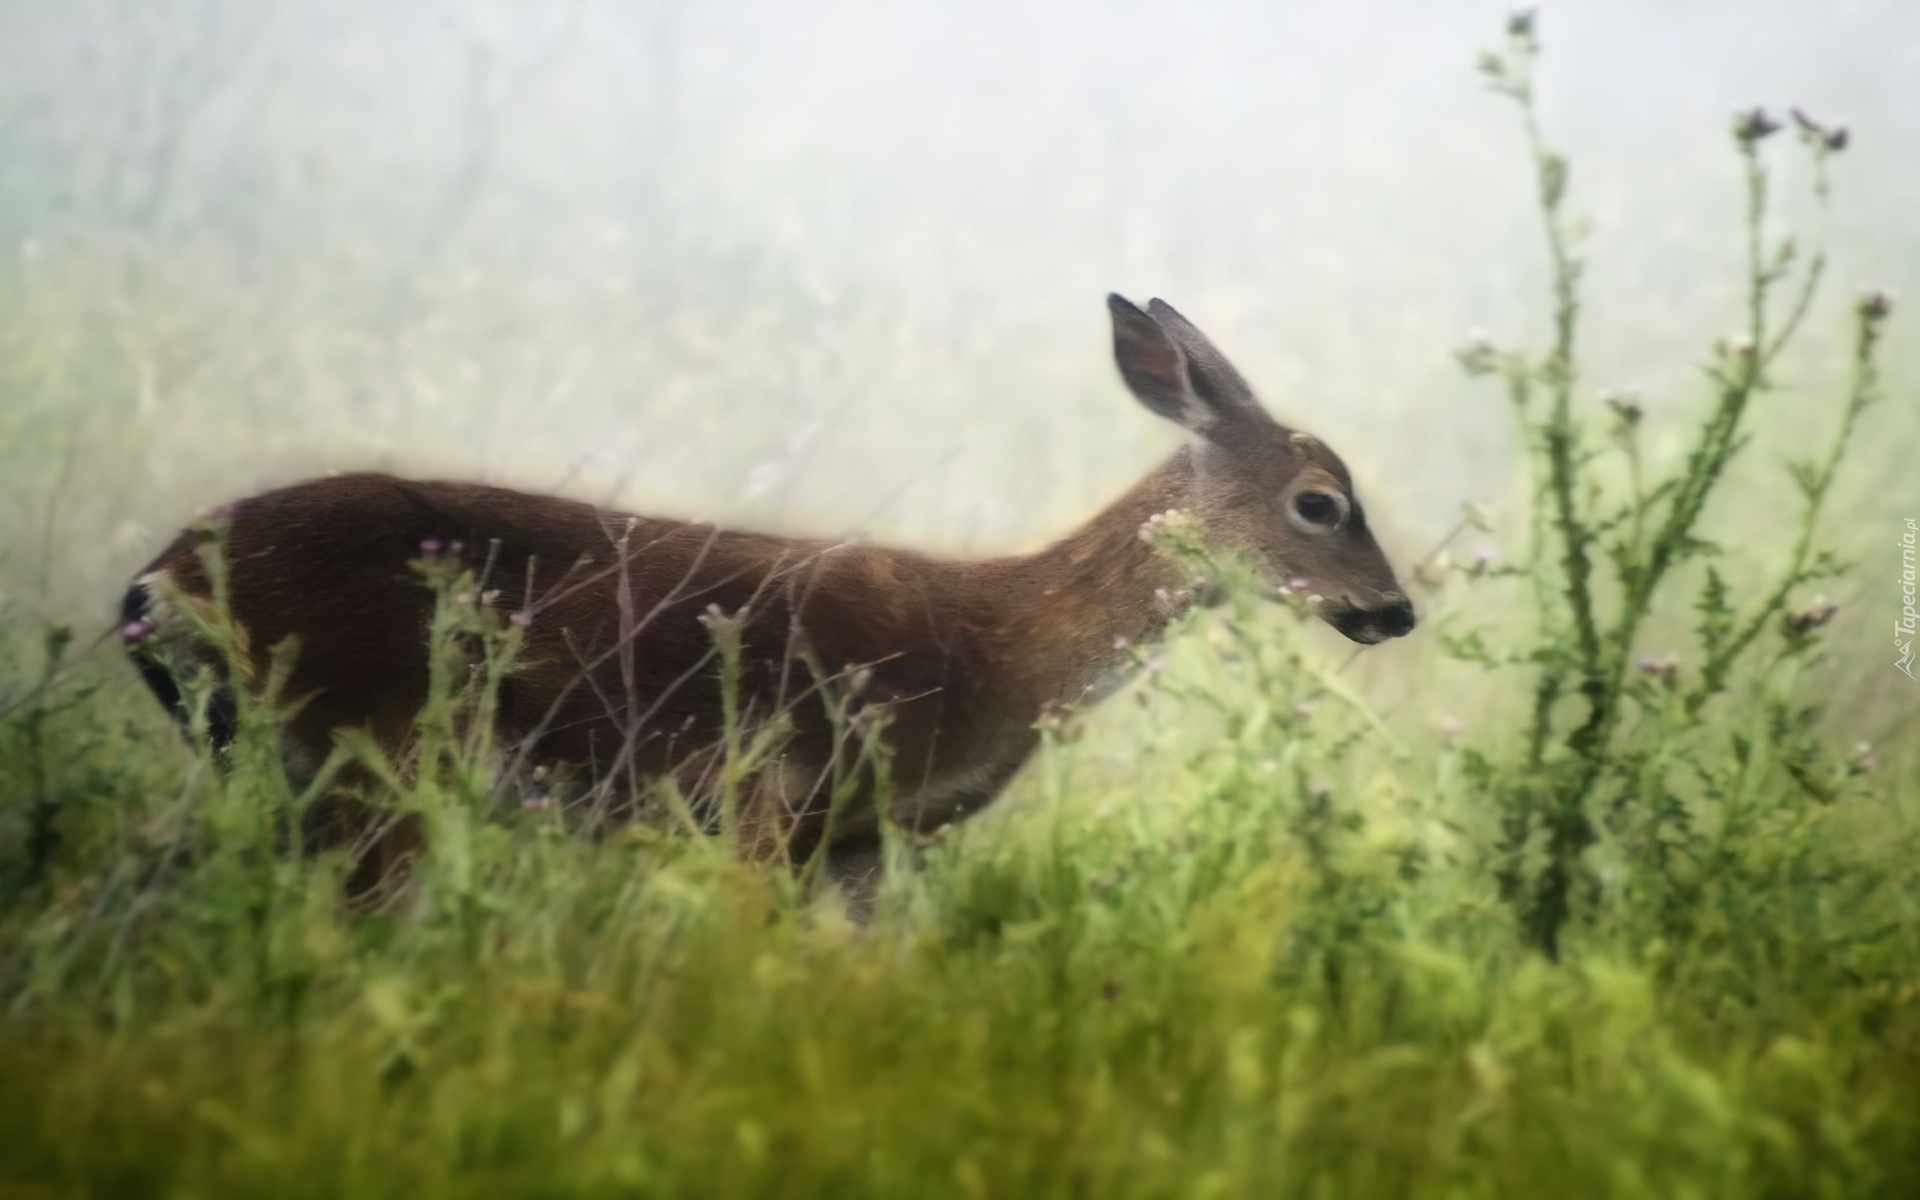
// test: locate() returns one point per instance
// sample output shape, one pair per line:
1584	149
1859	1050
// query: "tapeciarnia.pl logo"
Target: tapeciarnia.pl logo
1903	628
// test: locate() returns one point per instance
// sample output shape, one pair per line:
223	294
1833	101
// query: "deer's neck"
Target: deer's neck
1080	610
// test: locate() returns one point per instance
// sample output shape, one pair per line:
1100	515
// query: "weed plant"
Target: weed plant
1609	732
1232	934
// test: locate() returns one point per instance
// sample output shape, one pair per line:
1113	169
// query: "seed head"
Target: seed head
1664	667
1751	126
1818	612
1477	355
1831	138
1625	404
1433	572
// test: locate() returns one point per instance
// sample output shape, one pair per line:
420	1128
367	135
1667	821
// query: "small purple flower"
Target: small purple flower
133	631
1827	137
1299	583
1485	556
1665	668
534	801
431	545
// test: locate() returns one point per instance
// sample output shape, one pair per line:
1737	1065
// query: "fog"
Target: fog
838	268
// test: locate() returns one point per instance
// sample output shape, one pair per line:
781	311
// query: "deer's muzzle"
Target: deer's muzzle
1392	617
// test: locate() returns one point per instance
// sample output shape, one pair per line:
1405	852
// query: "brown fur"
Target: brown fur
963	657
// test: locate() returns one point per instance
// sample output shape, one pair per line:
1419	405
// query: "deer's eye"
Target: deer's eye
1311	510
1317	508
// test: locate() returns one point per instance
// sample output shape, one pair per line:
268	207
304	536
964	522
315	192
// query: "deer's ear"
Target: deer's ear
1208	371
1154	367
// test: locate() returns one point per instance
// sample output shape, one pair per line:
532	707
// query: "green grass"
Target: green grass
1233	933
1211	946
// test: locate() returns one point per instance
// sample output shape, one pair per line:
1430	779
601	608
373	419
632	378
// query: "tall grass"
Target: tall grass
1232	934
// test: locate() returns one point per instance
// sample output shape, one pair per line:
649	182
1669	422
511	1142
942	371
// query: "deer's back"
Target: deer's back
616	665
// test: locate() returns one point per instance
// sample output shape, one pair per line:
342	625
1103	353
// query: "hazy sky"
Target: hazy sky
829	266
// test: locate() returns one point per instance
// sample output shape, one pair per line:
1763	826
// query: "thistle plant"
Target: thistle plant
1606	541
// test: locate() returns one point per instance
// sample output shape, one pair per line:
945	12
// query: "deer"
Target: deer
616	673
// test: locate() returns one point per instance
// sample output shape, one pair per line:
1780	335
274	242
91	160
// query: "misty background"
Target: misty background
838	268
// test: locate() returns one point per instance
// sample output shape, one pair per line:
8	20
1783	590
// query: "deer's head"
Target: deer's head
1259	486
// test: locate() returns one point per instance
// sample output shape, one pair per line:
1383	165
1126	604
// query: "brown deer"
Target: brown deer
616	675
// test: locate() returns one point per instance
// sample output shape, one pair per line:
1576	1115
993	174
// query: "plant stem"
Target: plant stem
1717	442
1559	435
1815	483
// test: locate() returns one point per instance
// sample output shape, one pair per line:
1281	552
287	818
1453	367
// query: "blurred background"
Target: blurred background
838	268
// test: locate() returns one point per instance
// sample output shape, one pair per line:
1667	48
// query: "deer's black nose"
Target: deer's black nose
1392	618
1396	619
